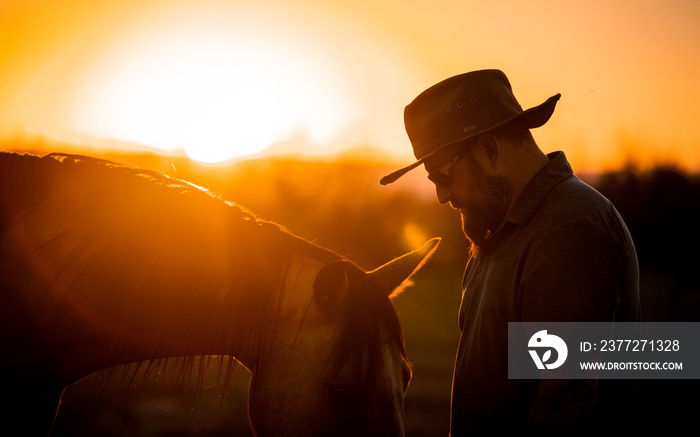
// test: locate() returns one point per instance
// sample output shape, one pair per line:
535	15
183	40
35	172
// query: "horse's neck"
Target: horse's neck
128	319
234	320
241	320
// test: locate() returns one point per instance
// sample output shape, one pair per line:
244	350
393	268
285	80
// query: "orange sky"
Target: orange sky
223	78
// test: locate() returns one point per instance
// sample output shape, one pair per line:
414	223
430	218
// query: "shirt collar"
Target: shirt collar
556	171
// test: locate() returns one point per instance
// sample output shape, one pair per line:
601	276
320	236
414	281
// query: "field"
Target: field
341	206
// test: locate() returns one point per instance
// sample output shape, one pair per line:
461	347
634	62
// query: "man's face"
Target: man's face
482	200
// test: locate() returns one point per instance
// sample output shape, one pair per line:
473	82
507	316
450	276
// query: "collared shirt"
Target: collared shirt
563	254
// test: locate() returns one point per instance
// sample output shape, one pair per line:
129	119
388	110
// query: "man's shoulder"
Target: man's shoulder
573	202
577	215
577	192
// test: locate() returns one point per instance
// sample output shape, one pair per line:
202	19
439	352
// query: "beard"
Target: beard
485	208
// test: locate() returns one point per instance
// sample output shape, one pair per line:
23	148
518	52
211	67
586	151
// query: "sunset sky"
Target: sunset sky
220	79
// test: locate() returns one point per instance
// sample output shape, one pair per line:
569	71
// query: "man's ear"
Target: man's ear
488	152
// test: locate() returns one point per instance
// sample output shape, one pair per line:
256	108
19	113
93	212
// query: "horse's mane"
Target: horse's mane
143	227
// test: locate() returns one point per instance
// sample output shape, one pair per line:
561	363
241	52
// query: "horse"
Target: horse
103	264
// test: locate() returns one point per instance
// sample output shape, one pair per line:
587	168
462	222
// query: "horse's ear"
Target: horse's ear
331	285
393	277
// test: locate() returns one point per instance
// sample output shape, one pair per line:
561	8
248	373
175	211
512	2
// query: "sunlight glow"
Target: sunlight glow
226	78
215	94
414	235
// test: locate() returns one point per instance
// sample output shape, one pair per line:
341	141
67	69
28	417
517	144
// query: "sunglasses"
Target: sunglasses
441	176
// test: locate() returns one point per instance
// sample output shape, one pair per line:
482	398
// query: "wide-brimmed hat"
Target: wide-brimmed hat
461	107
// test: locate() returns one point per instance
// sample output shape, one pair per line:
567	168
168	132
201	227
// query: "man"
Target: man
545	247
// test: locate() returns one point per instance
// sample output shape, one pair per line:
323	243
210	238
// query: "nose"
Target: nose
444	194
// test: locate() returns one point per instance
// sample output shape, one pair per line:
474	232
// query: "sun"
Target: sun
215	93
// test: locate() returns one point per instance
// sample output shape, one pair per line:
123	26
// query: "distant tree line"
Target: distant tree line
662	210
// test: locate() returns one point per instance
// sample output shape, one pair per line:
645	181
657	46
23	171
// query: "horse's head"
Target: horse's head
337	365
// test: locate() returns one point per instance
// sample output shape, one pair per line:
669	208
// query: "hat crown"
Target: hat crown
457	108
461	107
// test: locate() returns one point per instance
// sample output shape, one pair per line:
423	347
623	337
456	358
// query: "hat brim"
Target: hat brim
531	118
